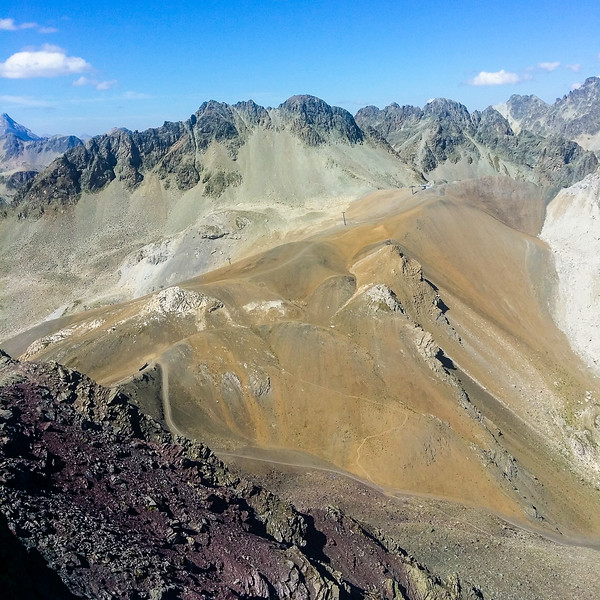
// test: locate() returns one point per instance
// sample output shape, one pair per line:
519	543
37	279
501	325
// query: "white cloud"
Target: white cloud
576	86
501	77
135	96
99	85
81	81
10	25
106	85
575	68
50	61
548	66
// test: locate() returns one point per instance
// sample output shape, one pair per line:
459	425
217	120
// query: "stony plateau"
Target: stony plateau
387	319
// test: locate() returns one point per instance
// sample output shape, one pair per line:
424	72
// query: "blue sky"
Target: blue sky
66	67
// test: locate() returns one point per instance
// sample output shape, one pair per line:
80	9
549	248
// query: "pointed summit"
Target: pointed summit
9	125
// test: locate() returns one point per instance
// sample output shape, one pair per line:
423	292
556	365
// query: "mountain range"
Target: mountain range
23	154
387	319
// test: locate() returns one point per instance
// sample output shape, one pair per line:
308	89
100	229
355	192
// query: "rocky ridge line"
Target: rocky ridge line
442	134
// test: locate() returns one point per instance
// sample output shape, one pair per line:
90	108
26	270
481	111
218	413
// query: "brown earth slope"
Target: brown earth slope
412	349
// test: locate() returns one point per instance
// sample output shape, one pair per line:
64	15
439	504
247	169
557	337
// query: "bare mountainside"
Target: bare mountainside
23	154
303	291
119	535
412	350
572	229
123	215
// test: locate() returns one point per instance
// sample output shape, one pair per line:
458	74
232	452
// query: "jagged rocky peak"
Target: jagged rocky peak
575	116
23	154
315	122
214	120
526	106
391	119
586	95
253	114
447	109
10	126
491	123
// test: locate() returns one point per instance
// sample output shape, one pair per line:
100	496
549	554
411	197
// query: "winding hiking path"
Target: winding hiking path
165	401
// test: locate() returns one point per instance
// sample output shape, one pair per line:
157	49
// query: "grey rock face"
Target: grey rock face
444	133
316	123
577	113
177	149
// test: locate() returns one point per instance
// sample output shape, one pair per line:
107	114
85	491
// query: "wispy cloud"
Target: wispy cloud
99	85
10	25
576	86
548	66
24	101
135	96
106	85
50	61
501	77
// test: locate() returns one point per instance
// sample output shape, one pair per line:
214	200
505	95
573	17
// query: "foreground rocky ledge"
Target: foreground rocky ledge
98	501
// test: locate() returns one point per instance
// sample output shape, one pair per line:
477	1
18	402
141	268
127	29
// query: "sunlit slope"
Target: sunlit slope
412	348
119	243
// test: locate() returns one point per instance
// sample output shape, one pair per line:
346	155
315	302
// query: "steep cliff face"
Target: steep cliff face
316	123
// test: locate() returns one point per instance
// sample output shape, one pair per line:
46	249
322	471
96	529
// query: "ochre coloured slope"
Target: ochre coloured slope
412	348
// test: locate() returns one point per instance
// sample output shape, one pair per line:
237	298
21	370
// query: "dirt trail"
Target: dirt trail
400	494
164	369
